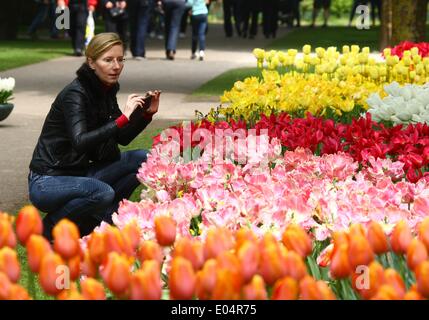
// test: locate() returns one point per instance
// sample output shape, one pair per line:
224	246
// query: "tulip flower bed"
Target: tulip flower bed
325	83
360	263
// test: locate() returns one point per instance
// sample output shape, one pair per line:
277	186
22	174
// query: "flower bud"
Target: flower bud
28	222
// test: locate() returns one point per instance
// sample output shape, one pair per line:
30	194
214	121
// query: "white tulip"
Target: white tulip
7	84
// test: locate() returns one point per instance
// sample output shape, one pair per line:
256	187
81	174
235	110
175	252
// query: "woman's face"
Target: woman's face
109	66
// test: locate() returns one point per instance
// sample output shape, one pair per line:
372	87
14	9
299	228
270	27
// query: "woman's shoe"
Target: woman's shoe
202	55
193	56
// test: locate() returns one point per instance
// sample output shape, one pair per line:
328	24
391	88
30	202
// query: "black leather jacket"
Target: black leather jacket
80	128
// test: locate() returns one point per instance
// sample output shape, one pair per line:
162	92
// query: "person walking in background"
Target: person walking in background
185	21
250	16
296	11
79	10
317	5
139	12
356	3
45	8
231	9
199	25
116	18
173	10
375	4
270	17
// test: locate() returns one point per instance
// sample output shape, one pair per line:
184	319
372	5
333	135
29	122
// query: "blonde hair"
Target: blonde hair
101	43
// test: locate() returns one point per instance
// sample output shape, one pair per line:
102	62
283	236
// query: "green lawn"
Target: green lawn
19	53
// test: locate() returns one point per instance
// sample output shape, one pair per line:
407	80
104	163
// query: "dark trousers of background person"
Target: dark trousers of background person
250	15
270	13
117	25
78	18
199	26
139	15
173	15
44	10
375	4
295	11
231	9
185	19
86	201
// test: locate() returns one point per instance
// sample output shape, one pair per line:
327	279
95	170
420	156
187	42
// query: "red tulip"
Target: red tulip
285	288
66	239
165	230
377	238
9	263
255	290
296	239
28	222
181	280
92	289
37	246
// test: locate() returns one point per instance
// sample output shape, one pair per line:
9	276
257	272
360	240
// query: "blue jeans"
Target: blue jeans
199	25
173	16
139	23
89	200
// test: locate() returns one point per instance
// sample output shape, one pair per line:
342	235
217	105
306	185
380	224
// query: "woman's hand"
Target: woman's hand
154	105
134	101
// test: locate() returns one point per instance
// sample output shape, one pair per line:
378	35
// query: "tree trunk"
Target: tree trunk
422	10
404	21
10	14
386	24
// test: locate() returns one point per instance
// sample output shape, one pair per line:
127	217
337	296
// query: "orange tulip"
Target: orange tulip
308	289
255	290
386	292
16	292
5	286
228	260
70	294
401	237
115	242
324	291
377	238
50	275
296	239
131	231
416	253
285	288
66	239
413	295
206	280
248	255
92	289
371	282
146	282
9	263
28	222
37	246
116	273
325	257
423	231
294	266
217	241
89	268
244	235
7	236
182	279
97	248
190	250
356	229
394	280
422	278
227	287
165	230
74	267
271	263
150	250
360	252
340	265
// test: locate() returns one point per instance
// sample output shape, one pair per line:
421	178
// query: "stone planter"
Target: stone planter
5	110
